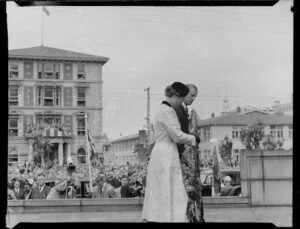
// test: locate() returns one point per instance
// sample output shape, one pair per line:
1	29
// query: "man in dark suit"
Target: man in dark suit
183	113
126	191
19	192
41	191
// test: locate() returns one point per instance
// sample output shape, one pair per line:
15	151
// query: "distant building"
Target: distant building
280	126
51	90
123	148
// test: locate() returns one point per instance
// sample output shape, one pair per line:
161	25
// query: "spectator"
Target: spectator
18	191
10	194
114	181
40	191
126	191
226	190
135	185
97	190
107	189
28	191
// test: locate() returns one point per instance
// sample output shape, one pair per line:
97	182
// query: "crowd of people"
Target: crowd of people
60	182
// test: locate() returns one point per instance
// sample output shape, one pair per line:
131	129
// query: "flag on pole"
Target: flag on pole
91	145
216	172
46	11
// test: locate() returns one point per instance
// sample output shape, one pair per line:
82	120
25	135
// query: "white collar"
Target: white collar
184	105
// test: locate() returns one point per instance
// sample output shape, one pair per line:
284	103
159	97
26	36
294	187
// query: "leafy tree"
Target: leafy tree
252	135
270	143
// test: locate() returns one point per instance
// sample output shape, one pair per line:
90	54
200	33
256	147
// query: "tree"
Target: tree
252	135
225	149
270	143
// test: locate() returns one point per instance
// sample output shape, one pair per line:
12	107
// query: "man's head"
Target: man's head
17	184
227	180
41	180
191	96
124	179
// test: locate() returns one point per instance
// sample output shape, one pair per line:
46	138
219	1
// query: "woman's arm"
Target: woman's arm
172	125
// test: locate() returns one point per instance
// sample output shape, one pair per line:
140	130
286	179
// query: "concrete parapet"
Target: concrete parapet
106	205
267	177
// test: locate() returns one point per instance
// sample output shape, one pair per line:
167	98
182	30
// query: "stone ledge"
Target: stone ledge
103	205
46	203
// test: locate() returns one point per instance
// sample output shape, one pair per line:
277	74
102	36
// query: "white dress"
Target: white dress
165	197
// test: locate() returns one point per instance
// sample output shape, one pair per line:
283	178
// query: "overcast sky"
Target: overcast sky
242	53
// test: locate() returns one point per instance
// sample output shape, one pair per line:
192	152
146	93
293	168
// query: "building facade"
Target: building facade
124	148
280	126
51	90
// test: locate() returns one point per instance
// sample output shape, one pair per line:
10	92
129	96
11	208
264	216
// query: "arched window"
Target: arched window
13	157
81	156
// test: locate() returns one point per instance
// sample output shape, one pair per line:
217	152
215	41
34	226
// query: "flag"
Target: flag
216	172
90	144
46	11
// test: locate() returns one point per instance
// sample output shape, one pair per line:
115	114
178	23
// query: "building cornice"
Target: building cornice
56	81
55	59
86	109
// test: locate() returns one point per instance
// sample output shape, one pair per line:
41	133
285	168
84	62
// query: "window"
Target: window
13	70
290	131
236	154
276	131
81	97
235	132
13	157
81	156
13	126
80	72
206	133
13	96
48	120
80	125
106	148
49	96
48	71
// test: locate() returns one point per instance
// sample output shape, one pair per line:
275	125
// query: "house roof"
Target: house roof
128	137
243	119
44	52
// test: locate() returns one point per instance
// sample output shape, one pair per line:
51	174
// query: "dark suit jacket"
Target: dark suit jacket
20	195
36	194
184	123
126	191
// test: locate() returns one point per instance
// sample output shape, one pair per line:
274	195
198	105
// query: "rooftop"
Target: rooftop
44	52
244	119
124	138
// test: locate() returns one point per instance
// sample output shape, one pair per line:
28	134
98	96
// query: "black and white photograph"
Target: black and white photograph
150	114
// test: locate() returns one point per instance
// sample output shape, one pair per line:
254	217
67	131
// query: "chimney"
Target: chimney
238	109
212	115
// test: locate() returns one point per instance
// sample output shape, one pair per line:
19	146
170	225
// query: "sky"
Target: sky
244	54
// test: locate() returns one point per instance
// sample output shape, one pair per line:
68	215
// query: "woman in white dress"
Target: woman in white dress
165	197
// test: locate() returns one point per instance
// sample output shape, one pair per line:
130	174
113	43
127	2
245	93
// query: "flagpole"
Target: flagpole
88	154
42	22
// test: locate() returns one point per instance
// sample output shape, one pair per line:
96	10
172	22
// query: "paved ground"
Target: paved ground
280	216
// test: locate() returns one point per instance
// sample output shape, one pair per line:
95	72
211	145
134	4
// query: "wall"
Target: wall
266	177
101	205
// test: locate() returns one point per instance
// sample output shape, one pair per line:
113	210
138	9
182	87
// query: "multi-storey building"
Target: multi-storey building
52	89
279	125
123	148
